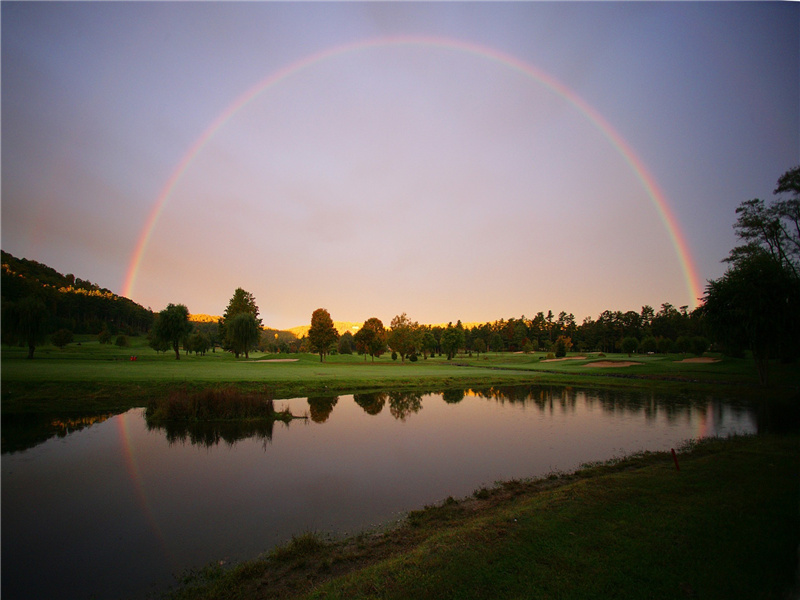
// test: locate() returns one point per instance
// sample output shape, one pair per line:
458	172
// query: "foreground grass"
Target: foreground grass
725	526
95	377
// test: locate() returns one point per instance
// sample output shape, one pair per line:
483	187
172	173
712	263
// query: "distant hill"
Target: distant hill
341	327
73	303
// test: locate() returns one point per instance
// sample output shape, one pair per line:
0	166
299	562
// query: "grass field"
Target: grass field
91	376
723	527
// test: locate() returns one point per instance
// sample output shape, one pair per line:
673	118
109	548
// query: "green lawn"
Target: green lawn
726	526
92	376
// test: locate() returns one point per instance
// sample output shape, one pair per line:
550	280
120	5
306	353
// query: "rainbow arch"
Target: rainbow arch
656	196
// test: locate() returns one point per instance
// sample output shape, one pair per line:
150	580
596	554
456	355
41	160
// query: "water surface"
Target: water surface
116	509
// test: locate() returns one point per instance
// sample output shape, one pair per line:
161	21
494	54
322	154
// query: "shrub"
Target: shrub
699	345
61	338
122	341
104	337
209	405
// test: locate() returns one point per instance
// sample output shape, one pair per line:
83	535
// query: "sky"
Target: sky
450	160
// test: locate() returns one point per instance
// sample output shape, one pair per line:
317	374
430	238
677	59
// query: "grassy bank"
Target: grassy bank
724	526
95	377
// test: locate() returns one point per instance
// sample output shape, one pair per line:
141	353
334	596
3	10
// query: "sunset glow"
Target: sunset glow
470	161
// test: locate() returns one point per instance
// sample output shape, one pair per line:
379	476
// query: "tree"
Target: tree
61	338
242	333
479	346
241	302
346	343
452	340
24	322
403	336
648	345
322	335
630	345
172	325
371	338
755	305
774	229
562	345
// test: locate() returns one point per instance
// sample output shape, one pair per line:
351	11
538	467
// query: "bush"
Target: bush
664	346
394	355
122	341
210	404
104	337
61	338
648	345
699	345
630	345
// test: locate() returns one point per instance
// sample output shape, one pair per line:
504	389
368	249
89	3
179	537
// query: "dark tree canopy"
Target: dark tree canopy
755	306
242	301
172	326
25	322
242	333
322	335
773	228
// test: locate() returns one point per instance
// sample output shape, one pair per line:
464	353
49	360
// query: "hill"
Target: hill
341	327
73	303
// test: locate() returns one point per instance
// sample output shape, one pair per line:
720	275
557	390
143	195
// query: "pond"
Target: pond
112	508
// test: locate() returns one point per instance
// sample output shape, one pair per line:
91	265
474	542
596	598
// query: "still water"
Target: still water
112	508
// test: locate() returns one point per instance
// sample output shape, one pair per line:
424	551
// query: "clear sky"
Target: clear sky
449	160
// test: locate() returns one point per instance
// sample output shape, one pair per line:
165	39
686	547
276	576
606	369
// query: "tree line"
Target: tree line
754	306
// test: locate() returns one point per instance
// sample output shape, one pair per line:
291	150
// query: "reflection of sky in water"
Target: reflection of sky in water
117	505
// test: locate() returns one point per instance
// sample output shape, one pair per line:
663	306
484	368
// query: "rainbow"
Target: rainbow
505	60
135	475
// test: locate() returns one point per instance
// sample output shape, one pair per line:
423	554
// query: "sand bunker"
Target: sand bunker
699	359
611	363
277	360
567	358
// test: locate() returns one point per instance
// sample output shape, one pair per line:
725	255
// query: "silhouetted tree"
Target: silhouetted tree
24	322
172	325
755	305
242	333
241	302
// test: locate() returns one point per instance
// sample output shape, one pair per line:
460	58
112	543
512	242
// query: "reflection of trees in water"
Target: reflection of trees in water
371	403
320	407
566	399
21	432
211	433
403	404
453	396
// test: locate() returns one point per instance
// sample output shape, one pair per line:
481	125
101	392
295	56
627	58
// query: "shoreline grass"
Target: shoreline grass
724	526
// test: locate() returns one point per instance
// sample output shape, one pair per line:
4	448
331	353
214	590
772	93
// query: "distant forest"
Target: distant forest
83	307
72	303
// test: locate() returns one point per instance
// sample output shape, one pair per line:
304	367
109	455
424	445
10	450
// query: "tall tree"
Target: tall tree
322	335
242	333
755	305
403	336
452	340
242	301
24	322
774	228
172	325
